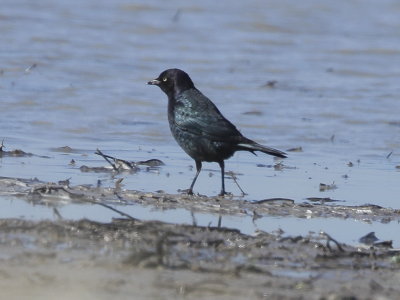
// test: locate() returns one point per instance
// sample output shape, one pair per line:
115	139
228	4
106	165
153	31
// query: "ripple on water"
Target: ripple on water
77	78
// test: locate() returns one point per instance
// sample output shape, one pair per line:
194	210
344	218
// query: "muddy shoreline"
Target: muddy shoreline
129	256
315	78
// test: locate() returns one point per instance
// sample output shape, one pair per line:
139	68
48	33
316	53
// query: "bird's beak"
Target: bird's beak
154	82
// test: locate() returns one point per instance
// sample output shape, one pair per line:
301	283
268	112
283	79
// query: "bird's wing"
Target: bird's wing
195	113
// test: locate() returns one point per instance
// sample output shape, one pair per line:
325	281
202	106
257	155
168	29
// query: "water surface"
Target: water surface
73	74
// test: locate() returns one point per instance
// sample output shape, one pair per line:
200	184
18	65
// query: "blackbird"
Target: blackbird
199	127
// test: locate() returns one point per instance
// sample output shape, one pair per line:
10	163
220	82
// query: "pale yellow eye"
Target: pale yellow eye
164	79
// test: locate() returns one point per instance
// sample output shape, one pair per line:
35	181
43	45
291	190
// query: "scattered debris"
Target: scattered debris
274	201
118	164
65	149
264	166
253	113
86	169
270	83
368	239
323	200
384	244
192	249
326	187
151	162
30	68
196	261
296	149
330	239
43	191
15	153
256	215
65	182
214	205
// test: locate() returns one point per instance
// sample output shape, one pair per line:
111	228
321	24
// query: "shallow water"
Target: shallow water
74	74
284	225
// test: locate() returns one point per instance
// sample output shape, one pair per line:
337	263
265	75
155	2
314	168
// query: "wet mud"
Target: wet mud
316	78
12	153
164	261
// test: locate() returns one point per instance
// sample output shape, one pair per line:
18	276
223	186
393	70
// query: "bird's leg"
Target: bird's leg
222	166
198	168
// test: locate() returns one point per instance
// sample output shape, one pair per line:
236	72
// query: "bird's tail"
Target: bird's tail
252	146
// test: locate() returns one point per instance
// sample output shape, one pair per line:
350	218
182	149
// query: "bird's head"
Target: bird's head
173	82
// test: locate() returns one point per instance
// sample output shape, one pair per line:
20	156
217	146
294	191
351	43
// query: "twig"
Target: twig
230	173
111	208
116	161
106	157
47	189
256	216
331	239
30	68
2	146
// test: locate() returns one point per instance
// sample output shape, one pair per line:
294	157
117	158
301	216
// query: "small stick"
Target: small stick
49	188
111	208
230	173
106	157
30	68
329	239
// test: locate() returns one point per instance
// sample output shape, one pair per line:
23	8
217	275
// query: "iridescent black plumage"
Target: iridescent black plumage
199	127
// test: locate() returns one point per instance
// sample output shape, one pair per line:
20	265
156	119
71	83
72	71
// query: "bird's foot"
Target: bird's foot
225	194
187	191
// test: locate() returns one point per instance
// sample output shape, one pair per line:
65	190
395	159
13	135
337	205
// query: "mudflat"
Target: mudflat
129	258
